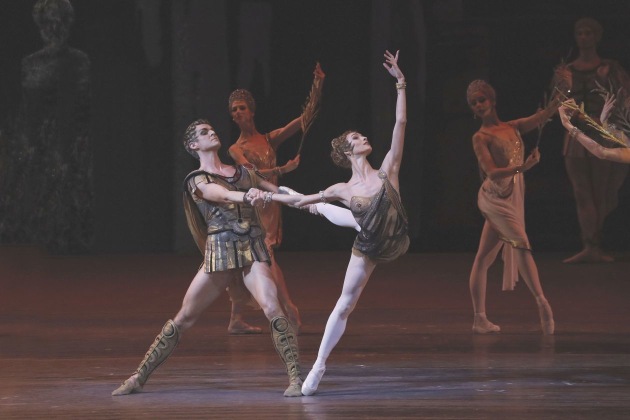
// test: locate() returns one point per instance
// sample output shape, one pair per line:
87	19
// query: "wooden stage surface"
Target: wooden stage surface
73	328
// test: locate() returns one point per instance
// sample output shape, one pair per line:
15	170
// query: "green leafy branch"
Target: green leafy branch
603	132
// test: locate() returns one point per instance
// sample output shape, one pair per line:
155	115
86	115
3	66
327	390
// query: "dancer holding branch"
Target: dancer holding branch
500	153
617	154
595	182
259	150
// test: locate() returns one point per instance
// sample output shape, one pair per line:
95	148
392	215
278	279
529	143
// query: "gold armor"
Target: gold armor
228	234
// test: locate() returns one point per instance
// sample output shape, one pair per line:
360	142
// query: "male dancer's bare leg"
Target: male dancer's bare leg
203	290
240	298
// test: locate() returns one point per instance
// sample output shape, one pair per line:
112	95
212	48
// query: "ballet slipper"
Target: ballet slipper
130	386
312	380
481	325
546	316
294	389
589	255
240	327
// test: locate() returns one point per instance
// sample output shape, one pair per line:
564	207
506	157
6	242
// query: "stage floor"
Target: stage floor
73	328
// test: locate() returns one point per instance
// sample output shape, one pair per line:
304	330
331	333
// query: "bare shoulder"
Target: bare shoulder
339	191
339	187
481	138
482	143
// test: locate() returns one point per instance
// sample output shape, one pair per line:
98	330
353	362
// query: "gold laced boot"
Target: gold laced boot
162	347
285	343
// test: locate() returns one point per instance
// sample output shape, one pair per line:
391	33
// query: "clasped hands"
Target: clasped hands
255	197
288	196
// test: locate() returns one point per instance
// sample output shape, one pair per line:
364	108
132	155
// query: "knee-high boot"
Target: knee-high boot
285	342
162	347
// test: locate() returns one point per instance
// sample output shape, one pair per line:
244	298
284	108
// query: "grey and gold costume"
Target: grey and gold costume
383	222
228	234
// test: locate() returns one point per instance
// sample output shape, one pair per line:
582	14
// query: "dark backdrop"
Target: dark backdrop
135	48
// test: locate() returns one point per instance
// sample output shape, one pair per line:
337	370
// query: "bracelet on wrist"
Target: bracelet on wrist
267	198
401	85
321	197
574	132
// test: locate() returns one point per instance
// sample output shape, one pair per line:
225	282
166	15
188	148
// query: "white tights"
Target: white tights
339	216
357	275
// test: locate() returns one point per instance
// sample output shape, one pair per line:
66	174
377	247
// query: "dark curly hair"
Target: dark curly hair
341	145
190	135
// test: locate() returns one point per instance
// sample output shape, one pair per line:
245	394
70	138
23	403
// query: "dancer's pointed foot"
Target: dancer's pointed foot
130	386
312	380
240	327
481	325
589	255
546	316
548	327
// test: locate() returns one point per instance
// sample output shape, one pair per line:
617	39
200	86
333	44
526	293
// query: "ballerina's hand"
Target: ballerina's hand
609	105
292	164
392	68
563	78
532	159
566	113
318	72
255	196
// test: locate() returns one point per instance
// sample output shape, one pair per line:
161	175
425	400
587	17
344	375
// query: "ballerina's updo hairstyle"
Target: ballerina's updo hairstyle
592	24
242	95
190	135
483	87
341	145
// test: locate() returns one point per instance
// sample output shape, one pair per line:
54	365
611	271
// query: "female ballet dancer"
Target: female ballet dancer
374	199
500	153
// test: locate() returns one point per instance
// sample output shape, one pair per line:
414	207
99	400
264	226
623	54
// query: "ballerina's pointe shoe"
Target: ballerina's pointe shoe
548	327
481	325
130	386
312	380
546	316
